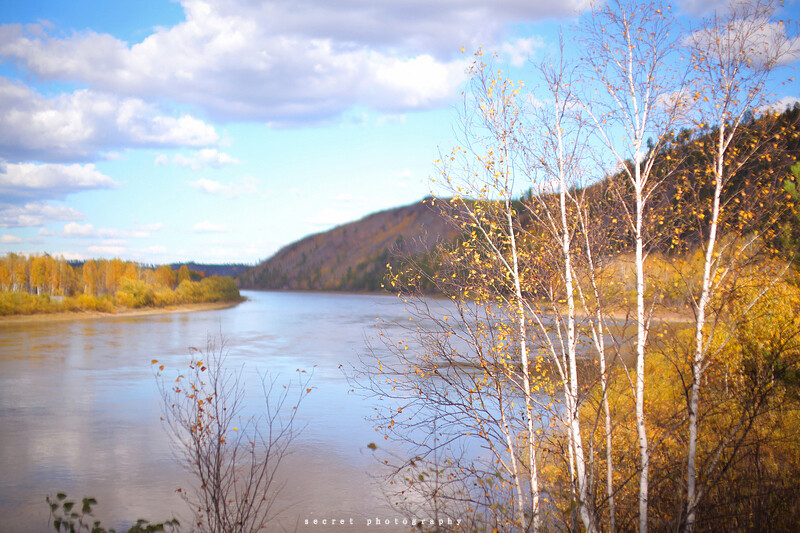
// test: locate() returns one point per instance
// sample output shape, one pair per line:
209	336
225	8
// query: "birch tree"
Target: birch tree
629	49
732	55
491	162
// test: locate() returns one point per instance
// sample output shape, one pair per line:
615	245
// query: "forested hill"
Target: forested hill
352	257
761	195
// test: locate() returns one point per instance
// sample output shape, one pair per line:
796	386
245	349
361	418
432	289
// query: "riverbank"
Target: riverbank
122	313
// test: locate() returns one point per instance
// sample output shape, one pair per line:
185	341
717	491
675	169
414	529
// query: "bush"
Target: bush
188	292
219	289
103	303
134	293
22	303
164	296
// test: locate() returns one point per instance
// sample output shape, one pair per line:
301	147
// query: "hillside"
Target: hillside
352	256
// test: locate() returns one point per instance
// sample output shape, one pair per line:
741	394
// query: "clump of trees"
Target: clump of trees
32	284
551	393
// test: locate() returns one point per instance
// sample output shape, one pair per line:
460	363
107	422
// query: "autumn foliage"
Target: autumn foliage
46	284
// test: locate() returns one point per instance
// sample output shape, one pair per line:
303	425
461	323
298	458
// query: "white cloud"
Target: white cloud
207	157
787	102
419	82
44	232
20	182
161	160
83	124
743	40
246	186
153	226
75	230
209	227
73	256
704	7
285	62
35	214
519	51
10	239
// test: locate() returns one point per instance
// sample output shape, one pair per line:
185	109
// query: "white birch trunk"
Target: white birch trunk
699	341
641	338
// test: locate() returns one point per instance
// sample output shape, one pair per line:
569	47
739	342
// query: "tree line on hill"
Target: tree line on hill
354	257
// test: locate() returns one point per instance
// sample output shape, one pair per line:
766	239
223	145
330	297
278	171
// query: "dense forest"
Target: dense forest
45	284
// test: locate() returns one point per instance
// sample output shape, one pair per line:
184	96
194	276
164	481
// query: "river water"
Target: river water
80	408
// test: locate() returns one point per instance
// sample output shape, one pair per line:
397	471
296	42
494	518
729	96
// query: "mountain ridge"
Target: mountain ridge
353	256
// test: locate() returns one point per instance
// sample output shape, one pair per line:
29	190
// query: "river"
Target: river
80	408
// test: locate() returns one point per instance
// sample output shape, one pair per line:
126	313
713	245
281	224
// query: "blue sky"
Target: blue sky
221	130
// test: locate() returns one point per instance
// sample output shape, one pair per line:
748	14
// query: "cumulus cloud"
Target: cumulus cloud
153	226
704	7
83	124
10	239
520	50
285	62
22	182
34	214
207	157
744	40
75	230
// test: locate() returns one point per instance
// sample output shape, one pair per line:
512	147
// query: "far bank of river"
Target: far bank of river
144	311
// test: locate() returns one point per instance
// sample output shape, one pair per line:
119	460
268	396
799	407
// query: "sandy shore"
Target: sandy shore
83	315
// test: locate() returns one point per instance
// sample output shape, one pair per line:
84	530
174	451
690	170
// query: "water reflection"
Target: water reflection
80	410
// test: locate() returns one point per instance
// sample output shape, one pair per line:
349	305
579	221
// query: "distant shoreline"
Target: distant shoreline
93	315
664	315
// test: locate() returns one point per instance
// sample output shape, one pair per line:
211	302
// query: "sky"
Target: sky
221	130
